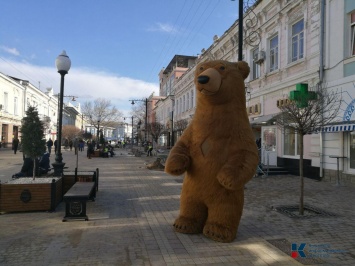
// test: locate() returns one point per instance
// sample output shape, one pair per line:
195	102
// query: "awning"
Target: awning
338	128
262	120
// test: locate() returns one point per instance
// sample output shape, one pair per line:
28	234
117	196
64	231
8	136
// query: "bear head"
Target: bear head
221	82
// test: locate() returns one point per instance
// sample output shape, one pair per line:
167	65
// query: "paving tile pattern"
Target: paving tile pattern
130	223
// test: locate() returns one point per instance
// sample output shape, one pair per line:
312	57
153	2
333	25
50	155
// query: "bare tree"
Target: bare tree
70	132
306	112
101	110
155	129
181	125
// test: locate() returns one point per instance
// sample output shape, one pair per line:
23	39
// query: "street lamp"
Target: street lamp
146	114
240	30
63	64
98	132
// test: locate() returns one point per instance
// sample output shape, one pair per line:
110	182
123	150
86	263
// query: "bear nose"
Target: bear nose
203	79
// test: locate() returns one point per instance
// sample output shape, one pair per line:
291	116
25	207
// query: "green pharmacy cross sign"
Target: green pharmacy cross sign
301	95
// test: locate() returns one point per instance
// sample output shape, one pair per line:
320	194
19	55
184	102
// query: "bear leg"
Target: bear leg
223	220
191	219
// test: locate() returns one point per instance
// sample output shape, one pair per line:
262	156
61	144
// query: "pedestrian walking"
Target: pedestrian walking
76	146
49	145
90	149
150	148
55	146
81	145
71	145
15	143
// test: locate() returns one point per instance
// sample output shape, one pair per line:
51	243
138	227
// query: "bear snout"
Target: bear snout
203	79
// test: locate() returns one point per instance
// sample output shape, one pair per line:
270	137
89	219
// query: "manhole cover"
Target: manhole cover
285	246
309	211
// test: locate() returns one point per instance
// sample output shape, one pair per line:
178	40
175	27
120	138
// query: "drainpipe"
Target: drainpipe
321	76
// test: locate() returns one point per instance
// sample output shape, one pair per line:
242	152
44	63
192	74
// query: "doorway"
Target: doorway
269	146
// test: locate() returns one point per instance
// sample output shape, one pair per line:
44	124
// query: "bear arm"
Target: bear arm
178	160
238	170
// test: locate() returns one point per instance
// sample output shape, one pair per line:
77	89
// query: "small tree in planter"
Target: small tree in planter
33	141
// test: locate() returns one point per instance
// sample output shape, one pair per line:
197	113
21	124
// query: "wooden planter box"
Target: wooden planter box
31	197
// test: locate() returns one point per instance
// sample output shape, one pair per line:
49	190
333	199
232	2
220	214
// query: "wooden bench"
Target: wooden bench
96	153
75	200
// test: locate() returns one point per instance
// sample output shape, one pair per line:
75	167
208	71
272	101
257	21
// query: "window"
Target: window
256	67
6	98
352	151
180	106
274	53
291	140
297	40
192	98
15	106
188	101
352	25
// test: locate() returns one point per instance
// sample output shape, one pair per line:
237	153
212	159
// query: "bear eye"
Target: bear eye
201	68
222	68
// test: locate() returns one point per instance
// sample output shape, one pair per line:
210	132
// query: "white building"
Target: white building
286	43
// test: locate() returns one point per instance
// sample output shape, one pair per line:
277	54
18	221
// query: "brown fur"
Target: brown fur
218	153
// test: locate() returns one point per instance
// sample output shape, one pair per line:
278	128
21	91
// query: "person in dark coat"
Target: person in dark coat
44	164
15	143
90	149
49	145
55	146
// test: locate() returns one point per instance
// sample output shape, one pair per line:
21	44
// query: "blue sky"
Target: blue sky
117	47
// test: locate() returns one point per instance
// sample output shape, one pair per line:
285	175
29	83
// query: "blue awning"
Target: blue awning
338	128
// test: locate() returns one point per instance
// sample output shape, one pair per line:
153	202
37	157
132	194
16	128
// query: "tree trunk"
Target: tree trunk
34	169
301	207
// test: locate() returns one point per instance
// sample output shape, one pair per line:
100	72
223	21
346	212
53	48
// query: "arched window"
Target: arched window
188	101
192	99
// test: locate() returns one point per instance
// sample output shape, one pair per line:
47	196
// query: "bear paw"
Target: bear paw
218	233
177	164
187	226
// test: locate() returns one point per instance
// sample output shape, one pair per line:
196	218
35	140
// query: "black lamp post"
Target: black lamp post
146	115
63	64
98	133
240	30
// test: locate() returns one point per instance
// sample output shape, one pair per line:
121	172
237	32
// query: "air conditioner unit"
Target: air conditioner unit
251	110
259	57
278	103
282	102
257	108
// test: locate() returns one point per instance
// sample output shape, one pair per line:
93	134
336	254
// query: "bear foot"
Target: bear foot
187	226
218	233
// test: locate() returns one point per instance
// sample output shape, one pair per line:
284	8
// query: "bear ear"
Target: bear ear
243	68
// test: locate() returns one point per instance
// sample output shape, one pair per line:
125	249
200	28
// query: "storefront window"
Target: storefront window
291	141
352	151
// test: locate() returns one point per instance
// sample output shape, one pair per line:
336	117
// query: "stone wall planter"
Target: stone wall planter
25	194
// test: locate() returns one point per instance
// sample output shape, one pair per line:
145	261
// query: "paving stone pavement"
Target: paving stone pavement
130	223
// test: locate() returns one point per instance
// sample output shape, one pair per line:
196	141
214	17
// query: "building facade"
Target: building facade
287	43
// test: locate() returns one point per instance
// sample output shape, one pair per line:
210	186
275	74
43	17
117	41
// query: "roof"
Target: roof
262	120
179	61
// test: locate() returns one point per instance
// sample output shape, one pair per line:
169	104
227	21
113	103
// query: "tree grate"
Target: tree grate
309	211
